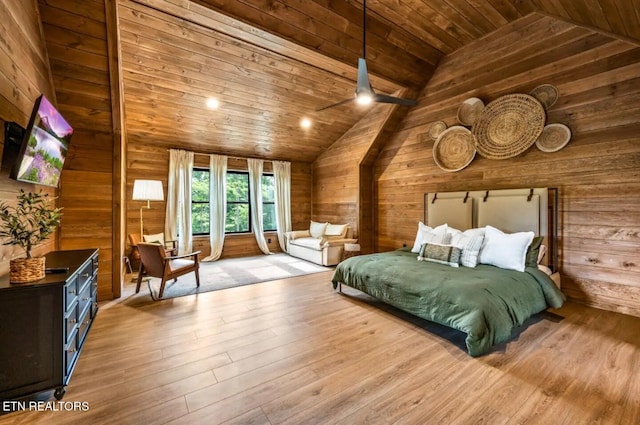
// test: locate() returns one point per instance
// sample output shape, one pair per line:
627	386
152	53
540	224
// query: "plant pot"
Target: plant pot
23	270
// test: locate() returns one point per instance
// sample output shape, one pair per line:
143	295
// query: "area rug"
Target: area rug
228	273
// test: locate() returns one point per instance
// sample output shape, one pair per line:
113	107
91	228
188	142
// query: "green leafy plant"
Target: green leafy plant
30	222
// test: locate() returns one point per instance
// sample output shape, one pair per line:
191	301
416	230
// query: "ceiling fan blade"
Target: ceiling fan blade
383	98
363	85
342	102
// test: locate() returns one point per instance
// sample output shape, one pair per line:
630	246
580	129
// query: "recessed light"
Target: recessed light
213	103
305	122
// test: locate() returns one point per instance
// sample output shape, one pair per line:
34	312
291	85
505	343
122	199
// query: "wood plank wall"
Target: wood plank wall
144	161
598	173
76	37
342	175
24	75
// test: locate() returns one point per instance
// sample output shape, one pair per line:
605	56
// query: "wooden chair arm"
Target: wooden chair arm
176	257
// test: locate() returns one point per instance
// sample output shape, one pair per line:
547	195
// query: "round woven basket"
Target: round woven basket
546	94
23	270
554	137
436	129
508	126
454	149
470	110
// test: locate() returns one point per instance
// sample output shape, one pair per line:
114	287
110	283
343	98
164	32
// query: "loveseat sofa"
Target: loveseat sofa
322	243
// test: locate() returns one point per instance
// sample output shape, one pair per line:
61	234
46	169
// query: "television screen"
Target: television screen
44	147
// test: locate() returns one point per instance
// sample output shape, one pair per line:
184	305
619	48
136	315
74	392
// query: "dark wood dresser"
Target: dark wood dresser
43	325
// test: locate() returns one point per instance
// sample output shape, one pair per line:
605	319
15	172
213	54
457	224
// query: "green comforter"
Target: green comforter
484	302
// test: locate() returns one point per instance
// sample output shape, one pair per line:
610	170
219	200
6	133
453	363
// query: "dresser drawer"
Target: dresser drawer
71	352
71	322
85	274
70	292
84	299
84	322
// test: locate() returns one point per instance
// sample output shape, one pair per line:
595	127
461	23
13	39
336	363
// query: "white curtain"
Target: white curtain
282	177
217	204
255	193
177	224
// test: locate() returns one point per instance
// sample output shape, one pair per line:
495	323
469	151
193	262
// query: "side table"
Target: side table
350	250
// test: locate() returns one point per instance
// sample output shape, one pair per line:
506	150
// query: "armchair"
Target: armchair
155	263
170	247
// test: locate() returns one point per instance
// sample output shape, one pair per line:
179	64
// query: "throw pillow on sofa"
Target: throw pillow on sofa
317	229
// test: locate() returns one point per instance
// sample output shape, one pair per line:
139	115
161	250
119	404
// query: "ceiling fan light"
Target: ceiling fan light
364	99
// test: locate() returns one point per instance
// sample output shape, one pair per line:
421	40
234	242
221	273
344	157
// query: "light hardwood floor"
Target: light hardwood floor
296	352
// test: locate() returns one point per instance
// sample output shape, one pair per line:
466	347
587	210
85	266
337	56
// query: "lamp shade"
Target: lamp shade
148	190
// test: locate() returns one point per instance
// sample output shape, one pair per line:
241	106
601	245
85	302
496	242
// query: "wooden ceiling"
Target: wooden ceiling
272	62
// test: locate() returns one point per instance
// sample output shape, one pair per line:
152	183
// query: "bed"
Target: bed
486	302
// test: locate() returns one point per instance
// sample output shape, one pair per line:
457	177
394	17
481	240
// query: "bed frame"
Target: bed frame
510	210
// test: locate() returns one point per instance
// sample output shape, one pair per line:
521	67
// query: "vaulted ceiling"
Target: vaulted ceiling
272	62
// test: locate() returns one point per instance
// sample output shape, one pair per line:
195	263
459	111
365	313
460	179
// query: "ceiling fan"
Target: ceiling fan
364	94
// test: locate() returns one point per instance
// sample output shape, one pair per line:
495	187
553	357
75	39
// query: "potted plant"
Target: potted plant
26	224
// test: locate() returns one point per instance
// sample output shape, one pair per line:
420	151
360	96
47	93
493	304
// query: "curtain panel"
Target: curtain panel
282	177
217	204
255	193
178	212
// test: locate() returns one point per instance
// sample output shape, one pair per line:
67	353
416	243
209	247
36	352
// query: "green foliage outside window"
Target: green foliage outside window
238	207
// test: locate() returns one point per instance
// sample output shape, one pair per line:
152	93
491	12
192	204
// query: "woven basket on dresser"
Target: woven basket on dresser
23	270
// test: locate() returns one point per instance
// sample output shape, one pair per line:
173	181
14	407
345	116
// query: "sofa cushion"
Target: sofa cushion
312	243
317	229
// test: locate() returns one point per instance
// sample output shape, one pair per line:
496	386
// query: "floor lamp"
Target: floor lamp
147	190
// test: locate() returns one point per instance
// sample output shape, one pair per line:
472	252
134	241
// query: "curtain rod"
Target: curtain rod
228	156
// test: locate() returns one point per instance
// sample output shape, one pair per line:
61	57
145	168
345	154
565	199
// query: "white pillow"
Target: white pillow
317	229
157	238
427	234
507	251
336	229
470	245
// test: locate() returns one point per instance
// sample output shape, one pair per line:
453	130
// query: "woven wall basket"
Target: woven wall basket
470	110
546	94
508	126
554	137
454	149
23	270
436	129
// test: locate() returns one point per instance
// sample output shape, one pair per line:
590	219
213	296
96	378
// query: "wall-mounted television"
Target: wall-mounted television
44	146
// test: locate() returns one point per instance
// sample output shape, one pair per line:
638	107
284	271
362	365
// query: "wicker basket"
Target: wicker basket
508	126
454	149
546	94
23	270
436	129
470	110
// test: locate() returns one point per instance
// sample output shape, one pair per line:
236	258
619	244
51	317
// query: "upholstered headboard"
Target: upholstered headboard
510	210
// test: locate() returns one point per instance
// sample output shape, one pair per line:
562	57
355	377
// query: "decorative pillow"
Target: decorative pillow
427	234
317	229
157	238
543	250
336	230
470	246
533	251
507	251
442	254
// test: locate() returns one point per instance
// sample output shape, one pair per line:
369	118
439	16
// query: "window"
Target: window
238	205
200	202
268	203
238	217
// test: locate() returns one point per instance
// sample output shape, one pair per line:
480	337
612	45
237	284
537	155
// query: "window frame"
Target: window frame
248	202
